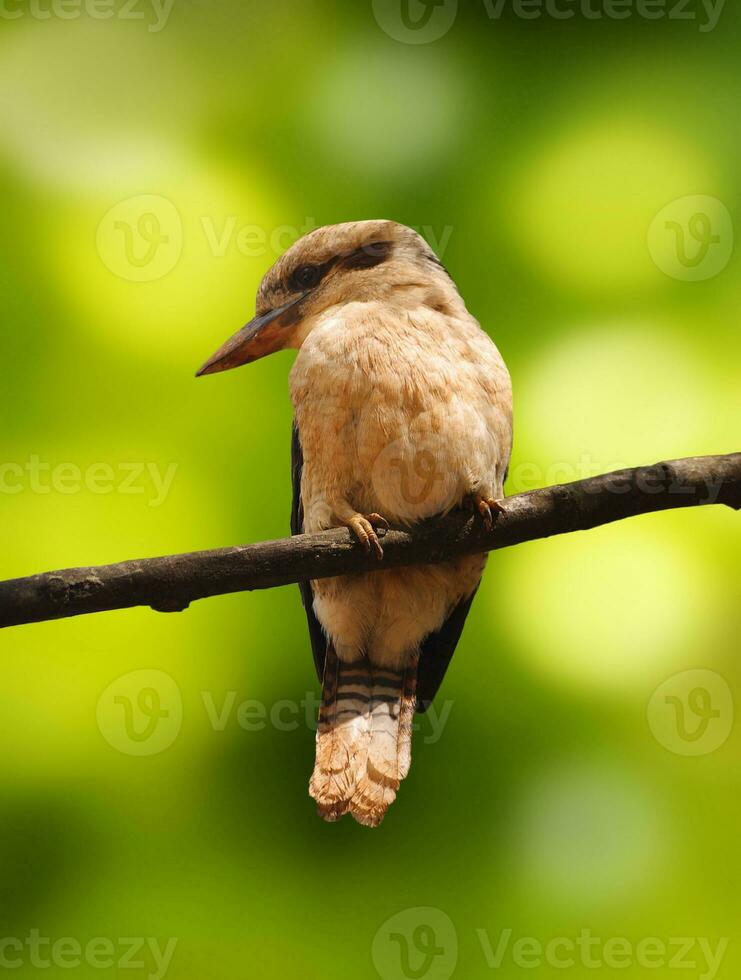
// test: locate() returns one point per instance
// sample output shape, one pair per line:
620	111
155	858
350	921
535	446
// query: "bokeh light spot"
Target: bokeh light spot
581	208
199	244
610	608
384	110
74	114
623	394
588	833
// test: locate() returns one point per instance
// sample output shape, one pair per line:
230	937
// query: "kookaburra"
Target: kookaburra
403	411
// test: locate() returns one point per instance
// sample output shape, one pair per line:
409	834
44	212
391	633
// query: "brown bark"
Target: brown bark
171	583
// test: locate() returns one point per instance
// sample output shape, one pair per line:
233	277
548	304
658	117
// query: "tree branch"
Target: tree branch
171	583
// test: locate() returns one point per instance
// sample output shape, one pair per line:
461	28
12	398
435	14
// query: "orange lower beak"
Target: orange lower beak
262	336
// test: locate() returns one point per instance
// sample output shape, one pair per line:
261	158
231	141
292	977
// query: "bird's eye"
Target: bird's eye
306	276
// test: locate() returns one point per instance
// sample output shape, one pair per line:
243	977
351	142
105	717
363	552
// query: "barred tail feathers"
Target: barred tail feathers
342	734
389	754
364	740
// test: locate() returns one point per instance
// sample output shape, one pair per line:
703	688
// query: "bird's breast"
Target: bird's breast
395	425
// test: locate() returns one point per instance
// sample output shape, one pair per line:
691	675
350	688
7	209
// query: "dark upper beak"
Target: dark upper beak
261	336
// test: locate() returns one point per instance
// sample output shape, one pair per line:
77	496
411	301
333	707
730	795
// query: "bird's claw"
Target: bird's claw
484	506
368	529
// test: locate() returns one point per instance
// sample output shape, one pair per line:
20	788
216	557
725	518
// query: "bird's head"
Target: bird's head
361	261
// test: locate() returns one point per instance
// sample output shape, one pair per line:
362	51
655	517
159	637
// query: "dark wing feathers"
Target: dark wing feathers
437	650
316	633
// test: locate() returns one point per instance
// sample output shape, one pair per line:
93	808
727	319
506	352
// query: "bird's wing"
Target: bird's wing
436	653
316	633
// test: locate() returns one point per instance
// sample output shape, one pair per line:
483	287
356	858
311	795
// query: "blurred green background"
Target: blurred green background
151	170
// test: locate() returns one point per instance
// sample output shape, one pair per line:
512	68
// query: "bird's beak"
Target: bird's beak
263	335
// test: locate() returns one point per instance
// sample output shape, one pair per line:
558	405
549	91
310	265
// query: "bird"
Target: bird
402	412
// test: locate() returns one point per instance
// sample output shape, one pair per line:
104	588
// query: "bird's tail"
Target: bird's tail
342	733
389	745
364	739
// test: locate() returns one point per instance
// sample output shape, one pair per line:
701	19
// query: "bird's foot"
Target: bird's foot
486	507
368	529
